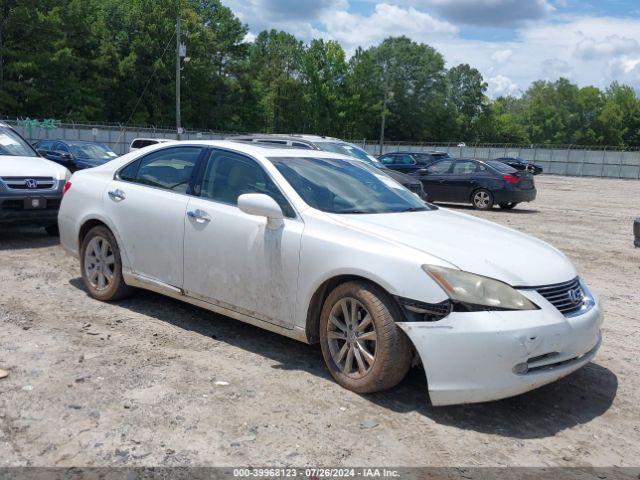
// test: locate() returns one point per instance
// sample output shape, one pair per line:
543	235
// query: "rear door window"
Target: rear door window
169	169
464	167
440	168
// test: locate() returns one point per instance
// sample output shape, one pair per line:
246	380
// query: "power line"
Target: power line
155	69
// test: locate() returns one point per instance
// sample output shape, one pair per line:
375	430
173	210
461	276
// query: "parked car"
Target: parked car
75	154
521	164
483	184
138	143
322	248
30	186
335	145
410	162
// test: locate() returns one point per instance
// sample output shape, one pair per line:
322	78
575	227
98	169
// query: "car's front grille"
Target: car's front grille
29	183
566	297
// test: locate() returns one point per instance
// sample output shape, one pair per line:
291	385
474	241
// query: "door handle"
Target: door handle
198	215
117	194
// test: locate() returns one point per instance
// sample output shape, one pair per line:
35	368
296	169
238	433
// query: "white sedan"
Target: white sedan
323	248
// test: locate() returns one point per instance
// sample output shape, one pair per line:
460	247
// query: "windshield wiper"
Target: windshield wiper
413	209
351	211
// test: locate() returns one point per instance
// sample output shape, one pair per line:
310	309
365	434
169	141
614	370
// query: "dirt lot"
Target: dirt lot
134	383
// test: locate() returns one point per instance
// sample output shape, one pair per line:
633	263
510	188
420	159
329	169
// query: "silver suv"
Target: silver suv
31	187
334	145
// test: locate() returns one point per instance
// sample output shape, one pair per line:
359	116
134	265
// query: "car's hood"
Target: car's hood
12	166
471	244
401	177
93	161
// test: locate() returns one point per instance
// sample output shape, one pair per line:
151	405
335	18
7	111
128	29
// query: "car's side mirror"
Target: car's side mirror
64	155
262	205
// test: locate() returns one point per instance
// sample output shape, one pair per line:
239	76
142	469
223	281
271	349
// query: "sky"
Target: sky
511	42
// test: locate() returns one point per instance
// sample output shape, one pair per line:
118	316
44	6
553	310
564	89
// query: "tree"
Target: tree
275	63
324	71
466	93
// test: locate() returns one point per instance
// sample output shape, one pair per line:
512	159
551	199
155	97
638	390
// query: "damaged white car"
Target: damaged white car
323	248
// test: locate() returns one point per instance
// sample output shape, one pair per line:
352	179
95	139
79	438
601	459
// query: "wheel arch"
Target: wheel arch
312	324
94	221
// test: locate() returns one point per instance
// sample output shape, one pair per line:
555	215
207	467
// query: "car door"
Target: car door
462	180
435	181
230	258
146	203
59	153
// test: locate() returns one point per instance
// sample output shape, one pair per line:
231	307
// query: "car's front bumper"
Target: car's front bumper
14	213
473	357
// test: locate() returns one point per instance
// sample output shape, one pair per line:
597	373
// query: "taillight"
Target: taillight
511	178
66	187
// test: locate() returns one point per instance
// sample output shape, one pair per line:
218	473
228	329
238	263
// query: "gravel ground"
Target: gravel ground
152	381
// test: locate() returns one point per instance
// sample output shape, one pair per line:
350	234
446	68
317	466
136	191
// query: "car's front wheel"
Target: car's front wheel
362	346
482	199
101	266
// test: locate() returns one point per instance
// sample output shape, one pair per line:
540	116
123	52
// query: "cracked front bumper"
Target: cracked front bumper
482	356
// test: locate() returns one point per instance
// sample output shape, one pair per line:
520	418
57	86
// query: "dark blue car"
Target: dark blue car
481	183
75	154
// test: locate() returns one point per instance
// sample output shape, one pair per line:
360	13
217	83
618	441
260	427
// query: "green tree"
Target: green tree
466	94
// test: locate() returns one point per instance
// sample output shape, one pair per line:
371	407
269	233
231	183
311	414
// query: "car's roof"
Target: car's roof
153	139
288	137
408	152
71	142
261	149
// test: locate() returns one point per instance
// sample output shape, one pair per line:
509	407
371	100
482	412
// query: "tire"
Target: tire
636	232
508	205
98	262
482	199
52	230
379	361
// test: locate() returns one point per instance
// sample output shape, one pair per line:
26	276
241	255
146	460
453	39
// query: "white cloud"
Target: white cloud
494	13
502	86
353	30
612	45
501	56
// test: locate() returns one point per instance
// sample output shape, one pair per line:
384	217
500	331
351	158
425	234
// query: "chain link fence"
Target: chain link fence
573	160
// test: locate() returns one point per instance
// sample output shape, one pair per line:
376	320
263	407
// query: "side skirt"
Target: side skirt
145	283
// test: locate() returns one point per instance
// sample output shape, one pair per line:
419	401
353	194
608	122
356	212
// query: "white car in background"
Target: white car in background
30	186
138	143
323	248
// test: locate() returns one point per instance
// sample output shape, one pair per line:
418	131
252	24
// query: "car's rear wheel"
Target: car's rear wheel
362	346
508	205
101	266
482	199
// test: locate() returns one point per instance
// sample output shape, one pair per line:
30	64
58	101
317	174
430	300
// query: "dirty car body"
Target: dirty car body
486	321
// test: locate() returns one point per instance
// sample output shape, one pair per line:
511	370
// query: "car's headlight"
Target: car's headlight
477	292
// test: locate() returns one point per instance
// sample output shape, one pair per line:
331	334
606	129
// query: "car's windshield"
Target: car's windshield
351	151
92	151
12	144
341	186
501	167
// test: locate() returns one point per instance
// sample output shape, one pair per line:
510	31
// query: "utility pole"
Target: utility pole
385	101
178	45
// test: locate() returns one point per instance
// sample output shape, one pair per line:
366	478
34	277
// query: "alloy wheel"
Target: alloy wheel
481	199
99	263
352	337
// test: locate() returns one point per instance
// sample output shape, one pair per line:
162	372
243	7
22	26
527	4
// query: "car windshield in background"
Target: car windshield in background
501	167
350	151
339	186
93	151
12	144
